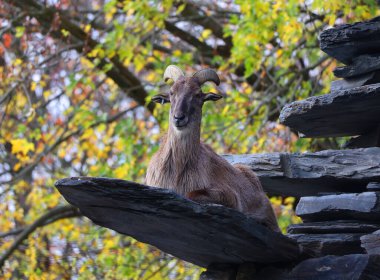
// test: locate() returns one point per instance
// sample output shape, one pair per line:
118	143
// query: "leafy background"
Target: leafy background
76	80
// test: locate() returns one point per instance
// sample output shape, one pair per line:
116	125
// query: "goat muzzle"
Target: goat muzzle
180	121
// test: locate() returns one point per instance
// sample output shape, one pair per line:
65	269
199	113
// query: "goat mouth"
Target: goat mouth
180	125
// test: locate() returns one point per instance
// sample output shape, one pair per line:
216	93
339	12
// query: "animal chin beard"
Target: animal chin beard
181	128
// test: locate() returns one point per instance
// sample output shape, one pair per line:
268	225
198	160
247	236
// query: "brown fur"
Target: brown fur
192	169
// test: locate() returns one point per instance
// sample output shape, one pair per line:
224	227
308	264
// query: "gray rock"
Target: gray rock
312	173
200	234
348	41
360	65
339	244
357	81
373	186
340	226
352	267
348	112
360	206
369	139
371	243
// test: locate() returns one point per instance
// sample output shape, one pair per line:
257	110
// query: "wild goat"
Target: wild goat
191	168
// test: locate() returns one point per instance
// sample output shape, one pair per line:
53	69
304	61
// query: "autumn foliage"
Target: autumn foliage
76	81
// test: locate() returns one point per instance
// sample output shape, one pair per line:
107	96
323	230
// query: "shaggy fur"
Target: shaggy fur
192	169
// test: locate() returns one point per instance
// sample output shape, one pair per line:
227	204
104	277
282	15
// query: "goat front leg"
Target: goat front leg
215	196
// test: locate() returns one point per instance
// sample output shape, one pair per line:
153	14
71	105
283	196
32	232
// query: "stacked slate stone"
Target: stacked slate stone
346	222
353	106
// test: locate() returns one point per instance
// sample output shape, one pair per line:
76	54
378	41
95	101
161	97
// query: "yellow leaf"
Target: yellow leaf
332	20
17	167
109	243
119	145
33	86
141	172
139	63
122	171
21	146
68	227
17	62
177	52
275	201
94	168
151	59
225	110
82	269
130	12
87	63
151	77
87	28
97	52
165	43
19	214
206	33
46	94
111	54
88	133
289	200
53	200
110	14
65	33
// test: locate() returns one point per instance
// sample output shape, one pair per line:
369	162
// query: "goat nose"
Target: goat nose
179	118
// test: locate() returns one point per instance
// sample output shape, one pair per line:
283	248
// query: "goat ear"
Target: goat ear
161	98
211	97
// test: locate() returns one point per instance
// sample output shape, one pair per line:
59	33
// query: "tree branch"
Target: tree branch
64	215
188	38
54	21
49	217
64	137
208	22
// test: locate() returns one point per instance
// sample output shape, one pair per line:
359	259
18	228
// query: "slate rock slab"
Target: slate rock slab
348	112
360	206
357	81
306	174
338	244
360	65
373	186
348	41
371	243
339	226
369	139
200	234
352	267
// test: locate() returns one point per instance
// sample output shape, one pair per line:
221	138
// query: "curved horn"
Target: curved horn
207	75
172	72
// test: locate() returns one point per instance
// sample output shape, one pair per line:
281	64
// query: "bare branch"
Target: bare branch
49	16
188	38
49	217
191	12
63	215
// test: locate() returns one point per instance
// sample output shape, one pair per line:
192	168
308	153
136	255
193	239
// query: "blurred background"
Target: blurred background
76	81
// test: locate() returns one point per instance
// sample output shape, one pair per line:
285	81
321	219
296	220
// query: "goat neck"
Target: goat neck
182	147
